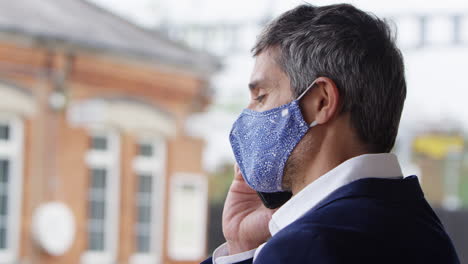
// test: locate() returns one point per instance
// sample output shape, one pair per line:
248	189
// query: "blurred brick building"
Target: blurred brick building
92	116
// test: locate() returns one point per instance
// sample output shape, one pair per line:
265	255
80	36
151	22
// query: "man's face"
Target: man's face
269	88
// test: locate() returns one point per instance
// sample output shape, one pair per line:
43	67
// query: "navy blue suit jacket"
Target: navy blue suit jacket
367	221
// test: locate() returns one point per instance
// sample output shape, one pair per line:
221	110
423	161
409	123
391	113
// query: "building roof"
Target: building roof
84	25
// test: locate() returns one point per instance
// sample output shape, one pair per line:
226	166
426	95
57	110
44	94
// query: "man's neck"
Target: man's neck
321	164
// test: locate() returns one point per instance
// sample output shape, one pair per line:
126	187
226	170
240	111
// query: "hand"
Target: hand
245	218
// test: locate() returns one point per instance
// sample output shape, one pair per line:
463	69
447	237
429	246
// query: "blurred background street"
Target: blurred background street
116	115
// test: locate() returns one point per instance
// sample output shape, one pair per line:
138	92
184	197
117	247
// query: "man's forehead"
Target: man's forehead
264	82
266	71
267	59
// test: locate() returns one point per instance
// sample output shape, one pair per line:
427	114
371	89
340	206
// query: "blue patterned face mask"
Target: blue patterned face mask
263	141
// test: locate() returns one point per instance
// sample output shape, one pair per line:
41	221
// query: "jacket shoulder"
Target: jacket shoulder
302	243
363	230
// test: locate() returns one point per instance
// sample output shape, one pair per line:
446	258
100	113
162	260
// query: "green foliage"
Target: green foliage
464	181
219	182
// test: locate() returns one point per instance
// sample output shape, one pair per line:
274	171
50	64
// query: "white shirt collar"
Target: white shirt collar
384	165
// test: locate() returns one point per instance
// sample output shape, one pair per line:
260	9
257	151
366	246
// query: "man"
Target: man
327	91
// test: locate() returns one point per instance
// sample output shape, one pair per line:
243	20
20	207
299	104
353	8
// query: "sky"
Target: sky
181	11
437	86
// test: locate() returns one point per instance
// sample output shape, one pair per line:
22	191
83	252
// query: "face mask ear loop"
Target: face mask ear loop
302	95
306	90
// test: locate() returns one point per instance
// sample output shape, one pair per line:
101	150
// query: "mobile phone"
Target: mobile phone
274	200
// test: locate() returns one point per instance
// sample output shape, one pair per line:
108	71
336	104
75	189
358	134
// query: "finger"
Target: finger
236	169
237	172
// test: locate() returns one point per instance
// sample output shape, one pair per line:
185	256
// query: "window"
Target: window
4	171
145	150
11	175
149	170
99	142
144	206
103	160
187	235
4	132
97	208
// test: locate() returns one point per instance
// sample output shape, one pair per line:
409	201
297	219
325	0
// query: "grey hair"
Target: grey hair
357	51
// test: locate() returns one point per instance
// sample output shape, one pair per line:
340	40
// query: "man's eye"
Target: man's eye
260	98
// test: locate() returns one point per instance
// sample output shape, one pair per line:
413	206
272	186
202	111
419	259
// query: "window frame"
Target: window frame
110	160
12	150
156	167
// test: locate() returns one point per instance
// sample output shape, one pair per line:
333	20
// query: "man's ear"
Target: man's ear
321	103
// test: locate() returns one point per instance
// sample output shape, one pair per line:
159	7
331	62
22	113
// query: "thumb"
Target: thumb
237	173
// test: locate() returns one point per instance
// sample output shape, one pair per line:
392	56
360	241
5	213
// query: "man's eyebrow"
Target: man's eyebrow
253	85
